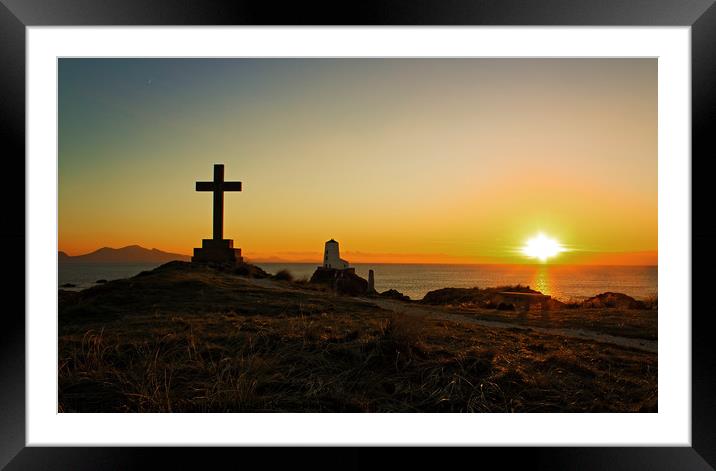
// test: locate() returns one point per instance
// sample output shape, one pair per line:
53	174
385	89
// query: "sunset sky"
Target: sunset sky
400	160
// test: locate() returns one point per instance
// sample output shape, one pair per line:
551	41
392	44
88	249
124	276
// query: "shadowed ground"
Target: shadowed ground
187	339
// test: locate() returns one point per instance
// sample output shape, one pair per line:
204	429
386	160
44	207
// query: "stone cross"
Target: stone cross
218	186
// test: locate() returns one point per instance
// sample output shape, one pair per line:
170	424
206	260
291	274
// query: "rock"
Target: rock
501	297
394	294
68	285
525	300
101	281
488	297
613	300
453	296
341	281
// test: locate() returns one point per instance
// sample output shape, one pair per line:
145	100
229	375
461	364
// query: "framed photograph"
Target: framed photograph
459	225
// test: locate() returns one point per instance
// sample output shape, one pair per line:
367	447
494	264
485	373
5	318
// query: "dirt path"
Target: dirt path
411	309
417	310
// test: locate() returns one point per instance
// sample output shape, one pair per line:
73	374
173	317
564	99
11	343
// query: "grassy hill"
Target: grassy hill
183	338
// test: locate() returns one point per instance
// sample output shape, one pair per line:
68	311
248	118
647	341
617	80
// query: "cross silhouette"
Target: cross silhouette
218	187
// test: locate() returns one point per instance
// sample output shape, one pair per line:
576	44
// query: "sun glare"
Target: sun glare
542	247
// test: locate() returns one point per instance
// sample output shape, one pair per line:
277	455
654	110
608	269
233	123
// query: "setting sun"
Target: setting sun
542	247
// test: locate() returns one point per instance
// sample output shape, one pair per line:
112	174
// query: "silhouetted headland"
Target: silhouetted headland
128	254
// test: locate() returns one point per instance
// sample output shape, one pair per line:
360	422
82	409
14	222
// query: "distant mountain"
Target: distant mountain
273	259
131	253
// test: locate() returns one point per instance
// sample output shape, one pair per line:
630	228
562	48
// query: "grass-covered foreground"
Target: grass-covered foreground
183	338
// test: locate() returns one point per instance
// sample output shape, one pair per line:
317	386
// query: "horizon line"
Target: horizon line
318	260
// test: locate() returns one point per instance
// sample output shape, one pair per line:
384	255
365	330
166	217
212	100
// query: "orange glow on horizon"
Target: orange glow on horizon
401	161
648	258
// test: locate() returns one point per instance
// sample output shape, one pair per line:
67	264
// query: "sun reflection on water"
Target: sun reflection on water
540	282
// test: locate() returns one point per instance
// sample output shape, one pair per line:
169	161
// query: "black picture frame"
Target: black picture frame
16	15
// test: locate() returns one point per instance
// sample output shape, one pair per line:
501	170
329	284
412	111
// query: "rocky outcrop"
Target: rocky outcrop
394	294
453	296
475	295
504	298
613	300
341	281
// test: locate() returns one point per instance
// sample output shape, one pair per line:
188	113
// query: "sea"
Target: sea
564	282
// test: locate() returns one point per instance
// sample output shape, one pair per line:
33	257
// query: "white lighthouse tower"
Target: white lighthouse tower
332	258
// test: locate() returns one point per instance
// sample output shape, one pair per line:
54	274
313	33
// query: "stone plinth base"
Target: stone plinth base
217	250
